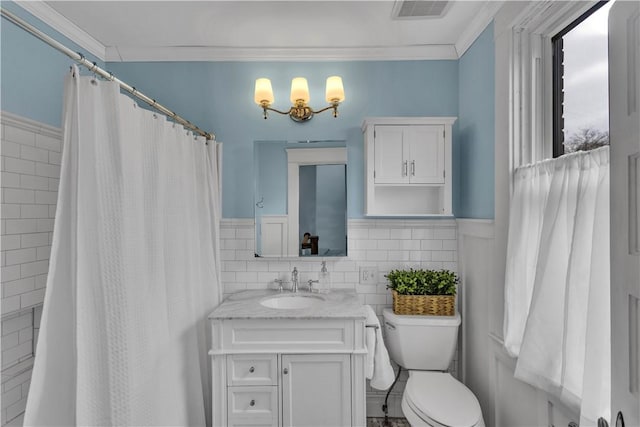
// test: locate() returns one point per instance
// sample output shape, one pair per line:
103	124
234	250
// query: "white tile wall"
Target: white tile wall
30	168
385	244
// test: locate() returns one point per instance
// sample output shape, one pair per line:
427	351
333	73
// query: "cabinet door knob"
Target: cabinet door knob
252	369
405	168
413	168
286	371
252	403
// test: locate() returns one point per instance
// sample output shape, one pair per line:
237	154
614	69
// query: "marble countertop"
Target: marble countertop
337	304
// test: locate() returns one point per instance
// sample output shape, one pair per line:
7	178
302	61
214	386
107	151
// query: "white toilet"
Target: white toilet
425	346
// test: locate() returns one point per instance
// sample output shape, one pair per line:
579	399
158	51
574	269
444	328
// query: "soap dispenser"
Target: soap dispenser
324	279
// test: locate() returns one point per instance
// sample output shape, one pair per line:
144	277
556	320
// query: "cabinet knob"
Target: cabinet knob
286	371
252	369
252	403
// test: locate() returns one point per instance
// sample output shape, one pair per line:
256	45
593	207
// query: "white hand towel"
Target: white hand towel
370	336
378	367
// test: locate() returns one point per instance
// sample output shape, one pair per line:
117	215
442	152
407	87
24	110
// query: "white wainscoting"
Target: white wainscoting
475	258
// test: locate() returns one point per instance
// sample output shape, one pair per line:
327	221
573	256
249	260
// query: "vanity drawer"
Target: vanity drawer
252	369
247	405
283	335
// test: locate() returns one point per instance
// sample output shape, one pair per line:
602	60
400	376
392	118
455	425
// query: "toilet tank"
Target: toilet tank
421	342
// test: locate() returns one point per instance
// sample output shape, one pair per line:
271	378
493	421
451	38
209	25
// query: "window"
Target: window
580	83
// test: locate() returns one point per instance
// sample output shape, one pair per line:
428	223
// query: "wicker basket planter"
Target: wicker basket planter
425	305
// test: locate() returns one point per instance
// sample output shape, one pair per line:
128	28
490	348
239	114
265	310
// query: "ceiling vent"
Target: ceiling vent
419	9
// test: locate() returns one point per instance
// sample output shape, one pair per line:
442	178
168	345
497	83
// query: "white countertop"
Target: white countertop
337	304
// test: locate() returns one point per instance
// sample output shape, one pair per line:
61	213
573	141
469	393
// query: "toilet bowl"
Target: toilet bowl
437	399
425	345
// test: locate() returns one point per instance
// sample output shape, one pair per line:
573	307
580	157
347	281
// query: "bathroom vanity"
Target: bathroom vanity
288	359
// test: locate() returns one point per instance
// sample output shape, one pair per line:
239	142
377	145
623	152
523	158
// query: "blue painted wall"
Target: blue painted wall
475	142
218	96
31	72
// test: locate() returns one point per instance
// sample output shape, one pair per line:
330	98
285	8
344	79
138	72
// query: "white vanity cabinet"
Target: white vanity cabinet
316	387
407	166
272	371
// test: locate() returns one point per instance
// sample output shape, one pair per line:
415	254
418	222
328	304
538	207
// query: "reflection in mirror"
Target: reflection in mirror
300	198
323	209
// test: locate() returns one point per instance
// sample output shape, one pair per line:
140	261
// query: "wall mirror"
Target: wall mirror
300	198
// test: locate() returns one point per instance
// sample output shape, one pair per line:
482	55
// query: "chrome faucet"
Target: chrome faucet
294	280
279	282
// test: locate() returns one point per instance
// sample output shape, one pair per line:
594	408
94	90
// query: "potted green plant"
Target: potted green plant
423	292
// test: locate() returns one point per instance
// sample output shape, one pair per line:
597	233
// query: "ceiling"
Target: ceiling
265	29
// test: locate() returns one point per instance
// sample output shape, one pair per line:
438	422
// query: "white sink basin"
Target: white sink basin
291	302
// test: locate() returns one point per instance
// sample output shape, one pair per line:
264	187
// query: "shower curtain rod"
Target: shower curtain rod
79	58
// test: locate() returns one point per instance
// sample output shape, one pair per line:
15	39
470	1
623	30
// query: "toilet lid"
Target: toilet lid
439	396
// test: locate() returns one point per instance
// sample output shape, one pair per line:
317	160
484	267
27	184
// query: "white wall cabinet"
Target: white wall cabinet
408	166
409	154
275	372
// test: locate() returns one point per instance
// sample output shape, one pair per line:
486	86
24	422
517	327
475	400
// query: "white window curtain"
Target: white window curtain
133	272
557	320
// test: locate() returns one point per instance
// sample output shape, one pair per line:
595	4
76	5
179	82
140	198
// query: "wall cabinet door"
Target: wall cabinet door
425	154
409	154
391	167
316	390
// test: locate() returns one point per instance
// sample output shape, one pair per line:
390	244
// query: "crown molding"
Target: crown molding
477	26
58	22
206	53
55	20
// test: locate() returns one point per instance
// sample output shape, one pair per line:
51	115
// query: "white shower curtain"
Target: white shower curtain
557	314
134	269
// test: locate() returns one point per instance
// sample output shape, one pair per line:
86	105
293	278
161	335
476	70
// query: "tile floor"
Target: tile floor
371	422
393	422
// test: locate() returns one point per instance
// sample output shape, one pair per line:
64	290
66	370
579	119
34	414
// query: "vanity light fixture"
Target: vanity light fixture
300	110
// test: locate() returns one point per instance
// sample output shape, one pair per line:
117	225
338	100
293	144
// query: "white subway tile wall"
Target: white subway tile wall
384	244
30	156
